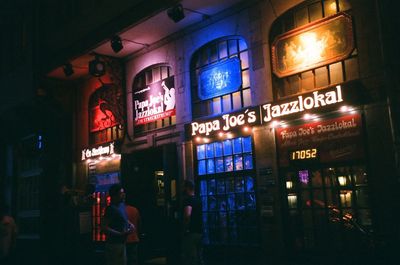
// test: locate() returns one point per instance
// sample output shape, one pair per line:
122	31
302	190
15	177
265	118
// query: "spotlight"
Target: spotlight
68	70
97	67
116	44
176	13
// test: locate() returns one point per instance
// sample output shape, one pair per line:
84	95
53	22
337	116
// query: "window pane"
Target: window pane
330	7
237	145
237	101
239	184
202	167
164	72
336	73
248	161
244	60
351	66
245	79
212	189
246	144
204	204
212	206
210	150
227	147
203	187
307	81
301	17
246	98
201	151
220	186
294	85
315	11
233	47
251	201
219	165
228	163
242	45
213	53
321	77
238	162
249	183
344	5
210	166
226	102
216	105
156	74
218	148
230	185
223	51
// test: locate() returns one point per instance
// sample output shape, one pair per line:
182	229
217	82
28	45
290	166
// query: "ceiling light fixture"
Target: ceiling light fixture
176	13
97	67
116	44
68	70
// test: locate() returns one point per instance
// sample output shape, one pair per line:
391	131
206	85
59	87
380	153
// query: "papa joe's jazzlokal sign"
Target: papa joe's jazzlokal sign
267	112
155	102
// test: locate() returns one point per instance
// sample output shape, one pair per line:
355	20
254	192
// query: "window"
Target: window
317	78
227	189
328	206
106	109
153	77
216	53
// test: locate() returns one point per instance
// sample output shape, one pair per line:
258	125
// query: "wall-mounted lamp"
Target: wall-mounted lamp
68	70
97	67
342	180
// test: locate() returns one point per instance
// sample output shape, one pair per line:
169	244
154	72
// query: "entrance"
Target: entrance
327	208
150	178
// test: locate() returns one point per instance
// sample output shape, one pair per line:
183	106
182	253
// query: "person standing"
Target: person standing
132	240
192	226
8	233
116	227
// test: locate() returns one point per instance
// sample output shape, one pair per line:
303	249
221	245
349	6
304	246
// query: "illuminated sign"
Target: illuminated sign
155	102
316	99
335	139
323	42
97	151
226	122
219	79
303	154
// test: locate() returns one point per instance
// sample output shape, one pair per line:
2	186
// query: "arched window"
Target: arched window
153	97
220	79
332	72
106	107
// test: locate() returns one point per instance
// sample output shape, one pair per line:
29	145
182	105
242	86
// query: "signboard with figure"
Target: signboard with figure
155	102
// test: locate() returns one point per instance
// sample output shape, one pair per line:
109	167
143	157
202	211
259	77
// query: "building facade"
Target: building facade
284	114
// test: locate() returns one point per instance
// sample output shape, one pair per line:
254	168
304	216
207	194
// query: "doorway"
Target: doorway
327	208
150	178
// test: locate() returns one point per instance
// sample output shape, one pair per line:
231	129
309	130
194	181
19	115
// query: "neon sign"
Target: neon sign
219	79
302	103
97	151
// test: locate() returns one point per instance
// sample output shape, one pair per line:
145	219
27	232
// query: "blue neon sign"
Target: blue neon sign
219	79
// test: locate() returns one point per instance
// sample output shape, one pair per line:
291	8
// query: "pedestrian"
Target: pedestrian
116	226
132	240
8	233
192	227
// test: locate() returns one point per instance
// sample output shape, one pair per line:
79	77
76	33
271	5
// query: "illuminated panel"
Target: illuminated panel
323	42
101	118
220	79
304	154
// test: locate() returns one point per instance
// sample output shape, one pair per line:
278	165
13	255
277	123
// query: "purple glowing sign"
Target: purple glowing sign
219	79
303	176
